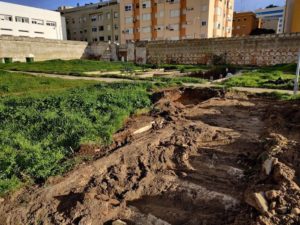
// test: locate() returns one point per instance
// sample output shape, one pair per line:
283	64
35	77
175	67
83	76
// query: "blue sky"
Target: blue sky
240	5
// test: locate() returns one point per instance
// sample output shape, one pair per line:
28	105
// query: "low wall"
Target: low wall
255	50
19	48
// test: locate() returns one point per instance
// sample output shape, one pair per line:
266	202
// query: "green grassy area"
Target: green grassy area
40	132
279	96
169	80
262	79
20	84
70	67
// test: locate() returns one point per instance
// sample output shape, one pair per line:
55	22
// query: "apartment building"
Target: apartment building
292	16
93	22
244	23
175	19
272	18
18	20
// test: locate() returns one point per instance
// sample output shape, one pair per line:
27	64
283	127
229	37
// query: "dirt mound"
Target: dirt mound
202	157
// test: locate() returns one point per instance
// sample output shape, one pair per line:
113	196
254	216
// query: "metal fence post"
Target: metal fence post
296	84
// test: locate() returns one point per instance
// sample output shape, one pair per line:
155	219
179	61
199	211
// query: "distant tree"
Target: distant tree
271	6
261	31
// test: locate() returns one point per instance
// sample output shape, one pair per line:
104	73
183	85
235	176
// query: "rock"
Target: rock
295	211
272	205
258	201
282	210
119	222
114	202
272	194
144	129
267	165
283	173
1	200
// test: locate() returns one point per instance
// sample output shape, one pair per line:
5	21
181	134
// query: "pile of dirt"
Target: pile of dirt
201	157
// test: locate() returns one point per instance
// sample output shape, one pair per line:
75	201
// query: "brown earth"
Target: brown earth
209	158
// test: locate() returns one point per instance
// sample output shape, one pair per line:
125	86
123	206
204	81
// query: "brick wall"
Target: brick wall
258	50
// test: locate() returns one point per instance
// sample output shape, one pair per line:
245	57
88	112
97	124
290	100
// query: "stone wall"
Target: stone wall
19	48
258	50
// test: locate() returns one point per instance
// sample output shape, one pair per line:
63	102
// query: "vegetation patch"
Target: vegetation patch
260	79
70	67
40	133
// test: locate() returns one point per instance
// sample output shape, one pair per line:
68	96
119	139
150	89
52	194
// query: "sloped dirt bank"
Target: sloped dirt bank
202	157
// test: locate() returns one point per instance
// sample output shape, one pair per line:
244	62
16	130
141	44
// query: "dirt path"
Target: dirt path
112	80
193	165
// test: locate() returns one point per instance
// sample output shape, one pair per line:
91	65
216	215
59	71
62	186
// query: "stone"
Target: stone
282	210
272	205
295	211
144	129
114	202
1	200
119	222
258	201
267	166
272	194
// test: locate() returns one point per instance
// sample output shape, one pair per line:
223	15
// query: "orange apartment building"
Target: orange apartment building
175	19
244	23
292	16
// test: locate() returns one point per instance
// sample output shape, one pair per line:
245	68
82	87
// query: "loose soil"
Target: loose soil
203	161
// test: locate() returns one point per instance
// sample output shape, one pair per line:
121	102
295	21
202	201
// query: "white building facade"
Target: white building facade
24	21
272	18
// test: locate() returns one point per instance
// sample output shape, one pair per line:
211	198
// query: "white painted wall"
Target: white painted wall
9	11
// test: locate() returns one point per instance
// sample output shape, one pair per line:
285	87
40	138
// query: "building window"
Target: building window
101	28
146	4
24	31
128	20
146	29
203	23
6	29
108	27
109	38
101	38
22	19
116	26
51	23
37	21
116	15
101	17
108	16
174	13
146	16
94	29
6	17
93	18
38	32
116	38
128	7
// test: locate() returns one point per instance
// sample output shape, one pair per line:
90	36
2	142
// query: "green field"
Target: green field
261	79
70	67
40	132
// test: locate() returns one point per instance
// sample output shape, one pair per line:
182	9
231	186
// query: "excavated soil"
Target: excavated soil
201	157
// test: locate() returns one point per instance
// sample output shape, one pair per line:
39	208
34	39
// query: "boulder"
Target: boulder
272	194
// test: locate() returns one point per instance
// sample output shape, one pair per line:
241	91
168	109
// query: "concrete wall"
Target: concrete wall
42	49
259	50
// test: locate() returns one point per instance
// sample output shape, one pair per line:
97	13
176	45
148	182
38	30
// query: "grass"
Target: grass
262	79
280	96
40	132
20	84
70	67
169	80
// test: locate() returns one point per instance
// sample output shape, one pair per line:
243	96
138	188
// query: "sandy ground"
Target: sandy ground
201	157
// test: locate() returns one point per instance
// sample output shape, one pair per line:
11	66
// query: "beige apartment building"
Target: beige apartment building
175	19
93	22
139	20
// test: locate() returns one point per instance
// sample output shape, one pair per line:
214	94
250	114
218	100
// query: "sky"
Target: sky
240	5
